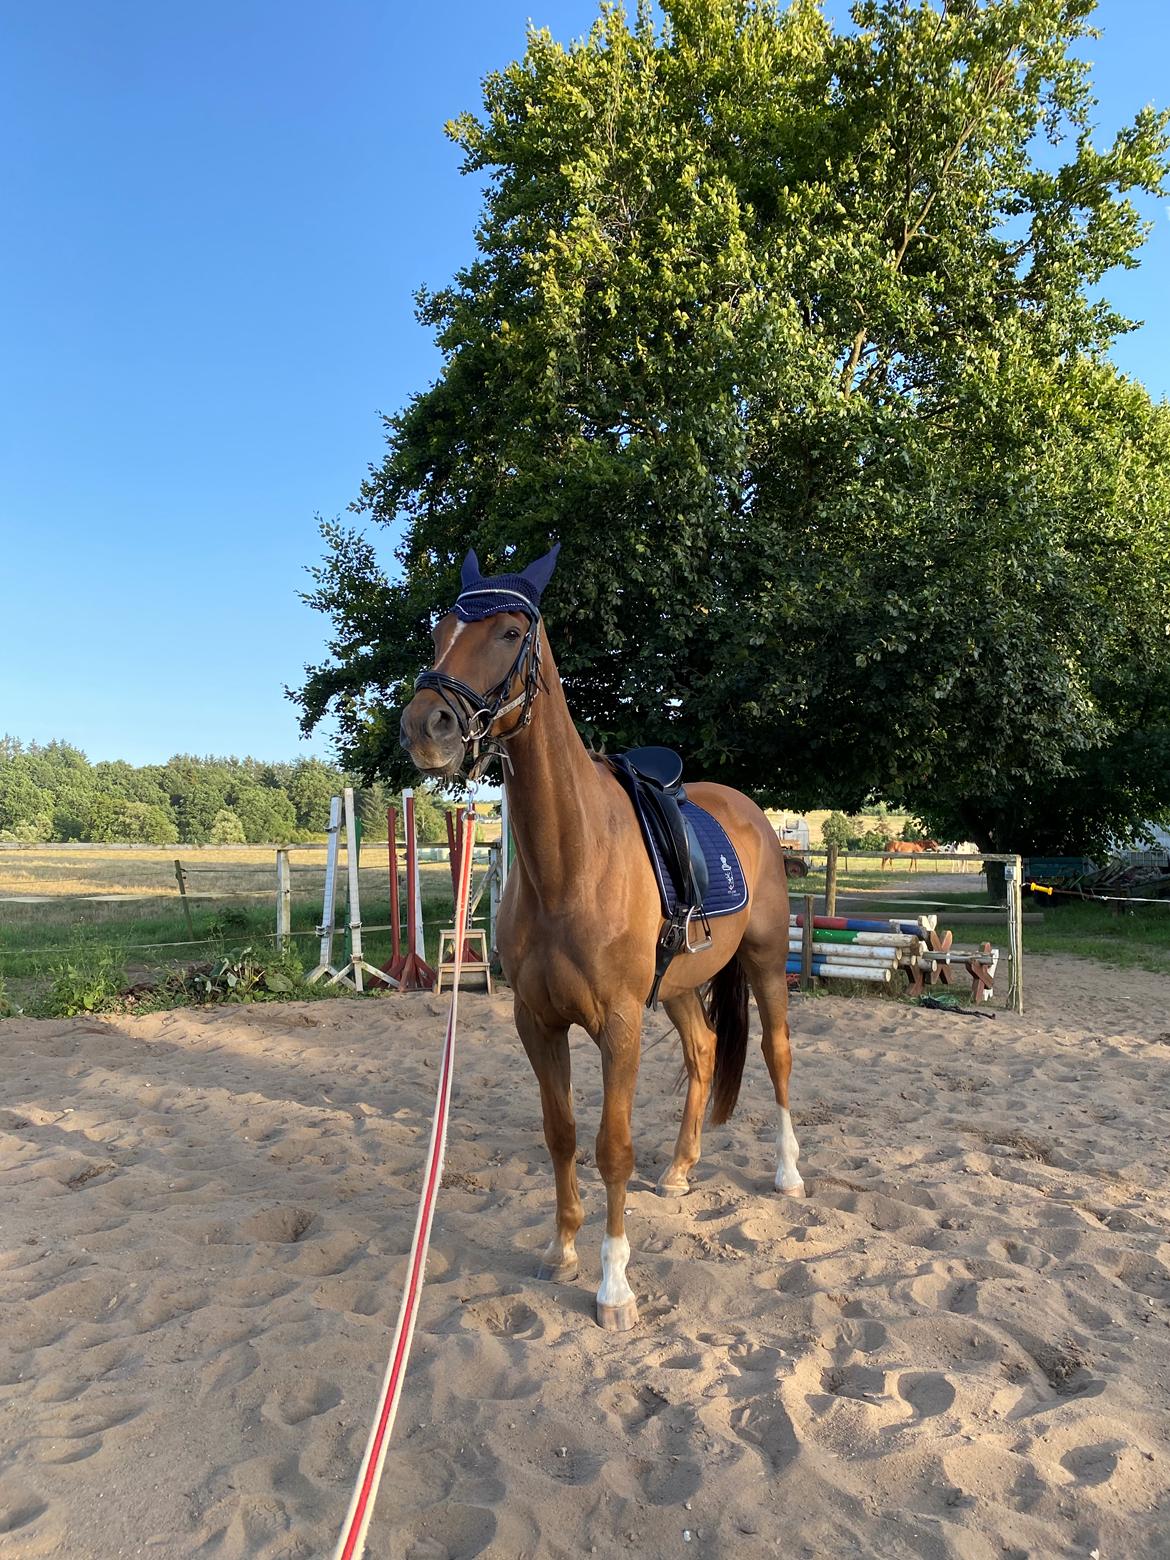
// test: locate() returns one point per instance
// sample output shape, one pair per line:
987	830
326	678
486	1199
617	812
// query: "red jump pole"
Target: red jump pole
397	959
455	846
417	975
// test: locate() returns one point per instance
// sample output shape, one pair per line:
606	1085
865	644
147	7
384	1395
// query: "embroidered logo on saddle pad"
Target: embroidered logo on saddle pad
728	886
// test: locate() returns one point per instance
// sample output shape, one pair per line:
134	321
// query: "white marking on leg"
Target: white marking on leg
615	1254
787	1151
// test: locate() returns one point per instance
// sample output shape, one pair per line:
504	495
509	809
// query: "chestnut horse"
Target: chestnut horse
911	848
581	915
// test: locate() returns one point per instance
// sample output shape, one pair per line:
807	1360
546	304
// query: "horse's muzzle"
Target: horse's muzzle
430	733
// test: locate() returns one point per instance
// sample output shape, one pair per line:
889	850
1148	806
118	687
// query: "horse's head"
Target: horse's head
479	689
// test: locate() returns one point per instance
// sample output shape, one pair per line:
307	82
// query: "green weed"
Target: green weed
8	1007
89	982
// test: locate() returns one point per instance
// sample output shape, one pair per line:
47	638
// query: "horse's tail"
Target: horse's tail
727	1013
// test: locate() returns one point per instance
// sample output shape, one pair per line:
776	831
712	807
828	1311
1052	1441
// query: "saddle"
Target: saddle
653	778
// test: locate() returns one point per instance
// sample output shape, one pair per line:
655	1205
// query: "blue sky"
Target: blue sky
216	217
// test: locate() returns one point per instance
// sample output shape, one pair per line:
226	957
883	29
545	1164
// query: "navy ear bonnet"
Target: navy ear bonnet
480	598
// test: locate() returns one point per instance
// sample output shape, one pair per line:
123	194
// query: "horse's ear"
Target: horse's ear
470	575
540	572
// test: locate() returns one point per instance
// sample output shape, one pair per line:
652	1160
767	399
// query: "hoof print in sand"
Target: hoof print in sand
284	1226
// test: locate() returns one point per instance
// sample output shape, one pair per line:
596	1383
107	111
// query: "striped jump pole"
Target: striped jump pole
878	973
842	923
839	954
888	938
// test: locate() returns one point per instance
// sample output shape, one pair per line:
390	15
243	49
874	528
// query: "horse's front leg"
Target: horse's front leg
548	1051
620	1042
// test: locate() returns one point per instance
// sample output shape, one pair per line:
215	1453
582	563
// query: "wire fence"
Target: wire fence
125	907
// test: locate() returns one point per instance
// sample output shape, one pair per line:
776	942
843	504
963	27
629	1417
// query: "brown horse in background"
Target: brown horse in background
911	848
581	916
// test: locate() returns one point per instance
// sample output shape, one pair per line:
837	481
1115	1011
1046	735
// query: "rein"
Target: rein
352	1543
478	712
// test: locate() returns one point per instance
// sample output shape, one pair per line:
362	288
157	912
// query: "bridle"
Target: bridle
475	712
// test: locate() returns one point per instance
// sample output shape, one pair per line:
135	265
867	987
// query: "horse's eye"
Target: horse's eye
512	633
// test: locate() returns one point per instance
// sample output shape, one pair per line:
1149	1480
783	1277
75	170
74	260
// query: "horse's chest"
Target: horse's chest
571	979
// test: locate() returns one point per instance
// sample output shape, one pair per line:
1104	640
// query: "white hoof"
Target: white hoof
618	1318
794	1189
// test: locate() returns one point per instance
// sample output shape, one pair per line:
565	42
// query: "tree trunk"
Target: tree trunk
996	881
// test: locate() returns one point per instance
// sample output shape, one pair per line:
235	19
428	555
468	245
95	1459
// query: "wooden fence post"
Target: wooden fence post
806	944
1013	872
283	899
181	876
831	879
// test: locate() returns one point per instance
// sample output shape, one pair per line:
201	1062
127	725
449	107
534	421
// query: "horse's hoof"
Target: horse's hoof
618	1318
564	1274
667	1188
791	1191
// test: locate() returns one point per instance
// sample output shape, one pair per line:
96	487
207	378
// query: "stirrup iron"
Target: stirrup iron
699	947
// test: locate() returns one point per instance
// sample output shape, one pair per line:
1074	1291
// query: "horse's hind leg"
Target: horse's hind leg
770	988
698	1043
548	1051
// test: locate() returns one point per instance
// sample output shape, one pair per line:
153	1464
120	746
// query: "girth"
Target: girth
653	778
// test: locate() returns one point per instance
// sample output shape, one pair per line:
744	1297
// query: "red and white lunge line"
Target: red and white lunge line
352	1544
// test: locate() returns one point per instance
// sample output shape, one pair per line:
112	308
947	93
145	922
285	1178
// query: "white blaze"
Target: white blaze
460	625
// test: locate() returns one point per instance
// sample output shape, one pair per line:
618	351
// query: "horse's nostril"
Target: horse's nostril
440	722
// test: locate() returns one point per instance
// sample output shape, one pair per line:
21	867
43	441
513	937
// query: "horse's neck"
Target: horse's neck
555	800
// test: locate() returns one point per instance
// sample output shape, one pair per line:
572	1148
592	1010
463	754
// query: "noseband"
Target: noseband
476	713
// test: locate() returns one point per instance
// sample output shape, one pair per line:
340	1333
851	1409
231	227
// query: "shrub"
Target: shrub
90	982
226	828
836	830
242	976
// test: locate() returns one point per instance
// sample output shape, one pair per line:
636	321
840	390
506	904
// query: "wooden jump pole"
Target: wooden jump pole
454	851
393	965
416	975
357	964
325	930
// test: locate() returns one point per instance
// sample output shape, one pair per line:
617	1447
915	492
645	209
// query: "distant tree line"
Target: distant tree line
51	792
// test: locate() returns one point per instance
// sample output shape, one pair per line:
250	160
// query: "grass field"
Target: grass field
76	905
137	920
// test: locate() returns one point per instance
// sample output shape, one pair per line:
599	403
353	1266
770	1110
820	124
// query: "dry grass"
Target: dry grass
219	872
86	900
98	869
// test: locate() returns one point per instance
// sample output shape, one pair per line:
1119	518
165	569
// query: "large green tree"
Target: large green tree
794	337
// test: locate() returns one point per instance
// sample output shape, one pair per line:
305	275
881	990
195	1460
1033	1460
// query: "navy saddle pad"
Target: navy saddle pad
727	887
